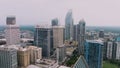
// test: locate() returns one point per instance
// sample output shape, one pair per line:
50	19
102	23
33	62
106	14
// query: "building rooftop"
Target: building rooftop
12	26
45	63
118	39
11	46
33	66
58	27
63	67
95	41
43	26
22	39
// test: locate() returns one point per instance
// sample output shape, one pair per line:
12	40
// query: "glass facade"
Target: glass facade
69	26
81	63
93	53
43	38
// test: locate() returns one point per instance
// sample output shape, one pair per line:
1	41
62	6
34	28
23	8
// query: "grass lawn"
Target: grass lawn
106	64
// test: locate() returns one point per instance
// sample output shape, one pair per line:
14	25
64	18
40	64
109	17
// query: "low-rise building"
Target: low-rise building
35	53
23	56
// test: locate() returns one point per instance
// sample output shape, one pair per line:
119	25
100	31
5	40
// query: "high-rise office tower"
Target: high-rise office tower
81	36
93	53
12	32
43	38
23	56
54	22
8	57
69	26
101	34
57	36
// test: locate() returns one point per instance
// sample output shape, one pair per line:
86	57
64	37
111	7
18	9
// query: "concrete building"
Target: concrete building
55	22
101	34
35	53
118	48
12	32
93	53
57	36
109	49
81	36
69	26
44	39
23	56
47	63
8	57
61	54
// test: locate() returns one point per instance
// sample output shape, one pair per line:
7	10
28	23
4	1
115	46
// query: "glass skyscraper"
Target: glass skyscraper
69	26
81	36
43	38
93	53
81	63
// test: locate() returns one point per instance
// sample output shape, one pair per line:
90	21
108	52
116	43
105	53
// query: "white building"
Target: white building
109	49
118	50
57	36
12	32
35	53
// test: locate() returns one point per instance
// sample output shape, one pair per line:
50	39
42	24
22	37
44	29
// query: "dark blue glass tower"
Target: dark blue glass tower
93	53
43	37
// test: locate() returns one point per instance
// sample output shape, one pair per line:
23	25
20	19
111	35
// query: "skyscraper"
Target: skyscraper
81	36
69	26
43	38
8	57
57	36
12	32
54	22
93	53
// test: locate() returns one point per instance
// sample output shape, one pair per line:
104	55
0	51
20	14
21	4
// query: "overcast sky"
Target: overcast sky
32	12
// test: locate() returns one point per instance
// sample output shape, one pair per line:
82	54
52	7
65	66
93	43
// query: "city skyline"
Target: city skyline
32	12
